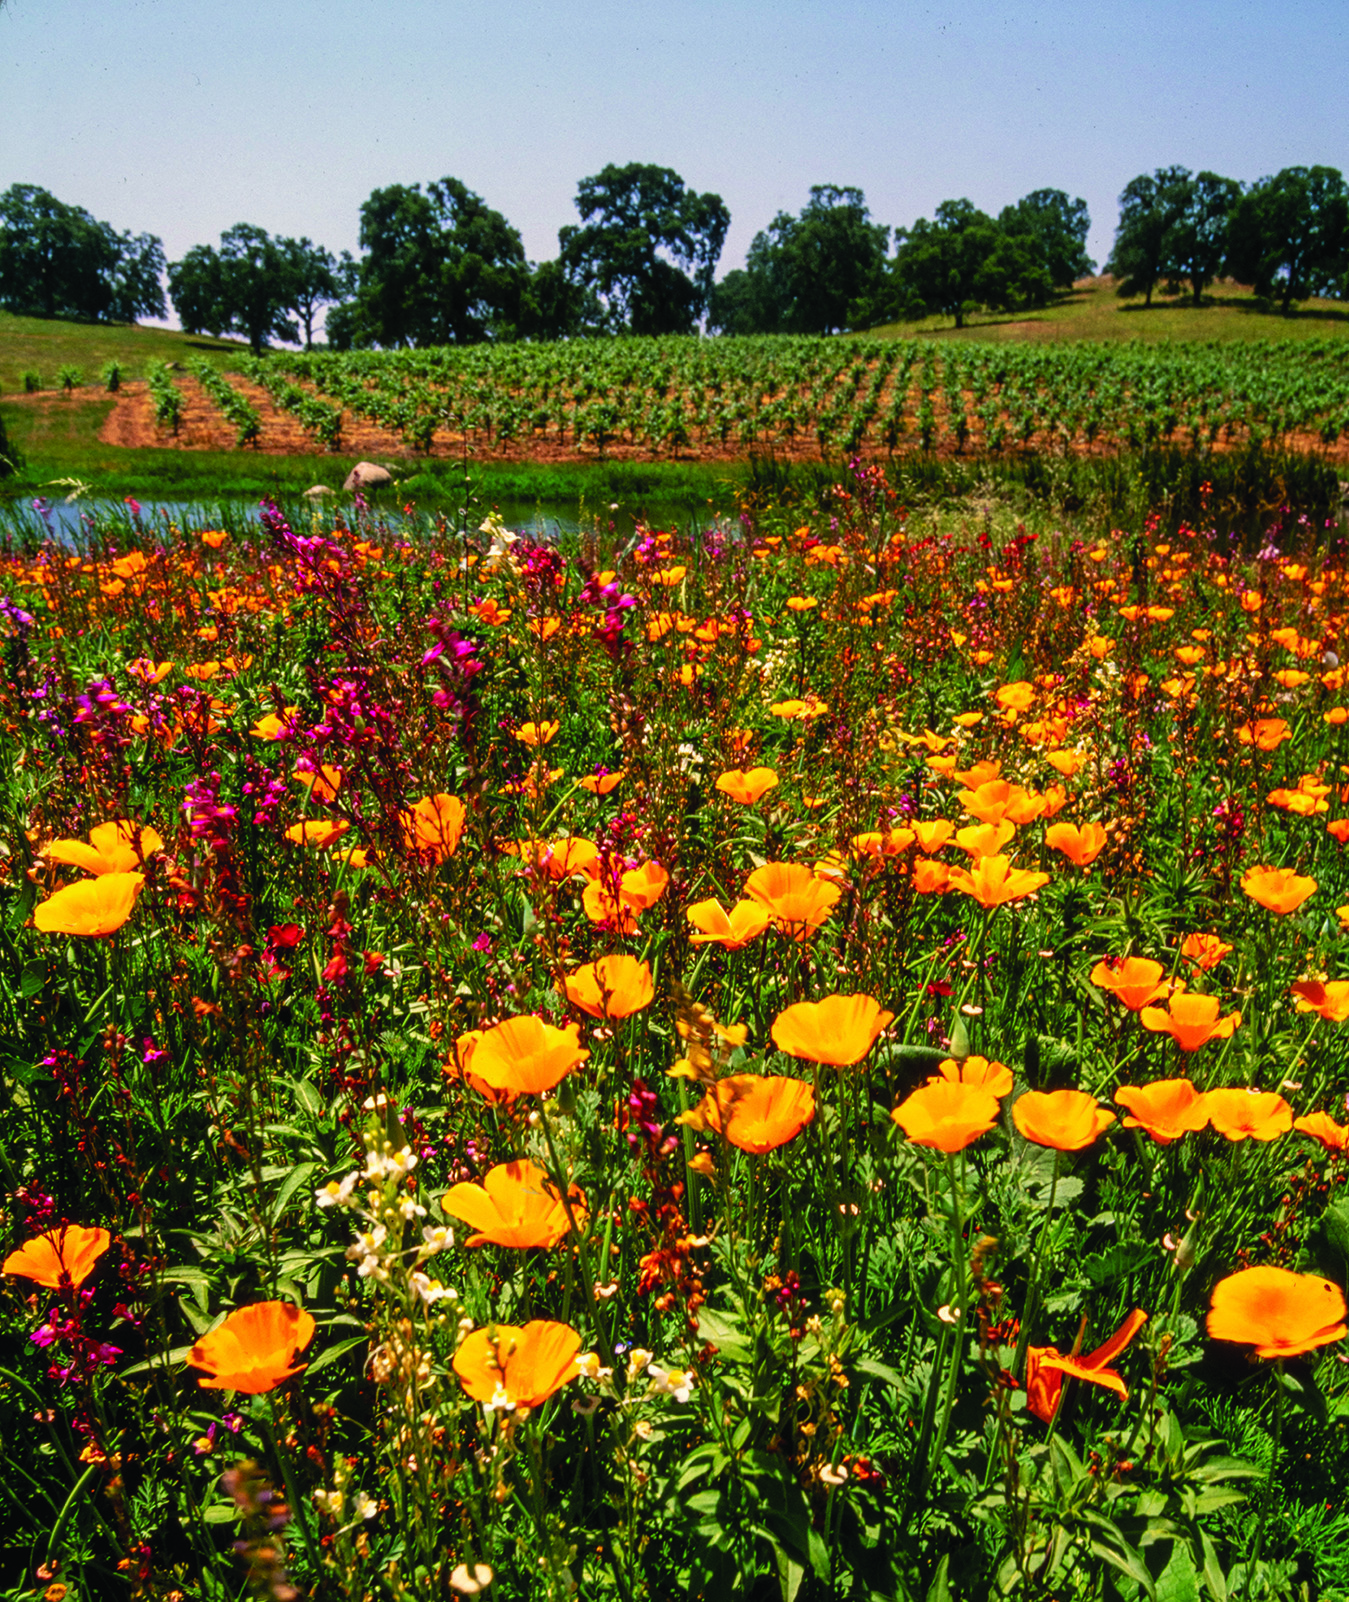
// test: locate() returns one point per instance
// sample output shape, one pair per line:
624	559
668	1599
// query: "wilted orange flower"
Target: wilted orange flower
69	1253
118	847
508	1366
1067	1120
1241	1114
1191	1021
839	1030
318	832
1281	890
92	907
613	987
1166	1109
1323	1128
602	783
1265	734
149	672
254	1350
514	1206
1133	981
536	734
755	1112
985	839
930	877
931	837
1081	846
993	882
947	1115
746	921
1206	951
527	1056
432	827
1330	1000
1046	1369
1279	1313
994	1077
797	901
747	786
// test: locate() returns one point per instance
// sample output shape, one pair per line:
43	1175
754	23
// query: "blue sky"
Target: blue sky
181	118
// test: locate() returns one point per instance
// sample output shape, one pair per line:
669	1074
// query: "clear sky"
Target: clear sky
181	118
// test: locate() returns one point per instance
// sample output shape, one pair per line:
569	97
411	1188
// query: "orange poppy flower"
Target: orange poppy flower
799	711
979	774
731	930
272	726
933	836
254	1350
985	839
1206	951
1065	762
323	783
931	878
1323	1128
1281	890
613	987
747	786
67	1255
1166	1109
839	1030
756	1112
535	735
1133	981
318	832
514	1206
993	882
994	1077
1265	734
92	907
559	859
508	1366
947	1115
601	783
638	889
527	1056
119	847
1192	1020
459	1065
998	800
1241	1114
879	846
432	827
1279	1313
1015	697
1046	1369
797	902
1067	1120
1330	1000
1081	846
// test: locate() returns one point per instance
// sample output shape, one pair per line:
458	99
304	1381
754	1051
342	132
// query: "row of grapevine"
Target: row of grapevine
319	419
165	395
237	409
842	395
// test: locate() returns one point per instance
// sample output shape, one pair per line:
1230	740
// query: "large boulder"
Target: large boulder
317	491
367	475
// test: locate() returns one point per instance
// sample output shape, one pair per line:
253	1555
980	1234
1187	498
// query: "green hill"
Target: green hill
43	345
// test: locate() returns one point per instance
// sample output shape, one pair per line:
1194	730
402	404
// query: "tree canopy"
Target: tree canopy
647	248
58	261
1289	234
243	288
1059	227
961	259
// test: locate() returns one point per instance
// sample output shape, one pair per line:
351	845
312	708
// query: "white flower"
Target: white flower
390	1165
470	1578
410	1208
329	1502
430	1290
590	1367
436	1238
833	1476
500	1402
366	1506
366	1250
638	1358
337	1193
676	1382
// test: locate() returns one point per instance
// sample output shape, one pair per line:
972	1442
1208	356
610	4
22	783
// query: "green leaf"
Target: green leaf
1117	1262
32	978
1213	1574
940	1589
1127	1561
719	1330
880	1371
302	1174
1335	1221
330	1354
306	1097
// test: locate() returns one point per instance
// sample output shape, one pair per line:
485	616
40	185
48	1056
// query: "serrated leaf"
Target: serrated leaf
880	1371
1117	1262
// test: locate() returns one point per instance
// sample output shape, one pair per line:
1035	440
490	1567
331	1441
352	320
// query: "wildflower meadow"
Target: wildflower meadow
796	1057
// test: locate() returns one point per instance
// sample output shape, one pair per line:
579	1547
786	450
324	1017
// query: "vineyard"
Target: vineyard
800	398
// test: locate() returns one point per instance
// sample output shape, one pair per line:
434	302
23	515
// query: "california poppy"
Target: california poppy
995	1077
1081	845
69	1253
880	845
997	800
559	859
993	882
1241	1114
756	1112
1265	734
1323	1128
254	1350
797	901
1192	1020
506	1365
1279	1313
932	836
613	987
747	786
1066	1120
514	1206
1046	1369
318	832
1133	981
1166	1109
324	783
985	839
118	847
92	907
535	735
931	877
1281	890
432	826
527	1056
746	921
1206	951
839	1030
947	1115
637	889
1330	999
601	783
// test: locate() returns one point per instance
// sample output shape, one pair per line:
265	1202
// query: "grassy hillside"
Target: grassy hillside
1093	311
46	344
